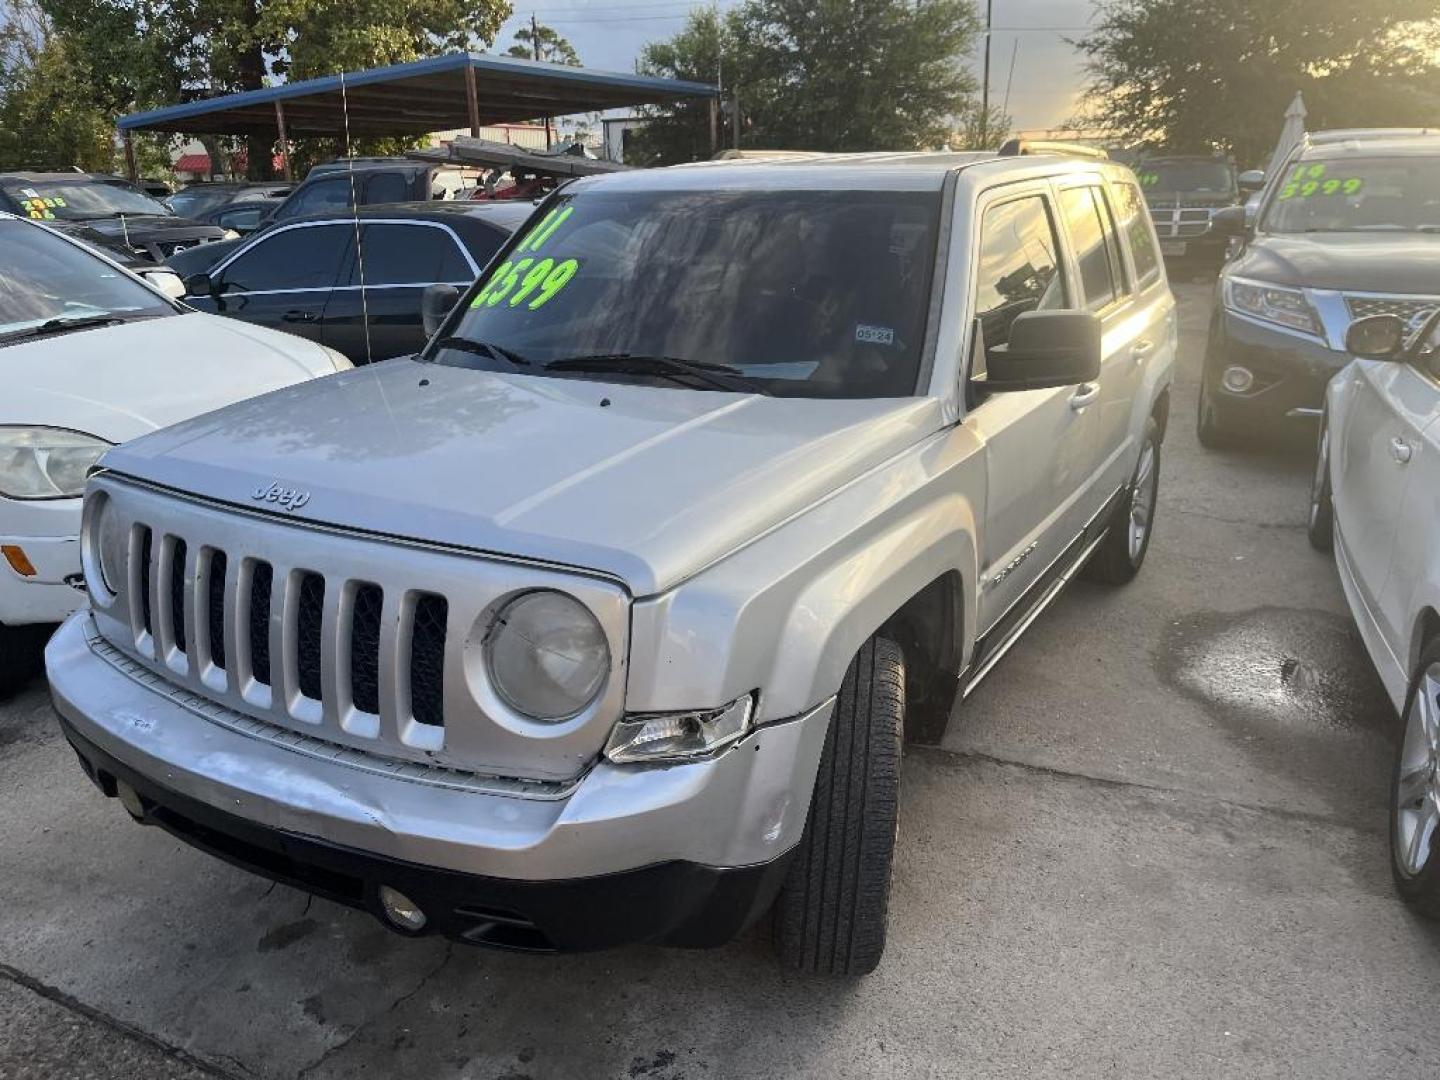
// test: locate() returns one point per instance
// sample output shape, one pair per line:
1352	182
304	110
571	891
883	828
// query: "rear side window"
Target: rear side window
386	187
411	255
307	257
329	194
1019	268
1136	229
1087	220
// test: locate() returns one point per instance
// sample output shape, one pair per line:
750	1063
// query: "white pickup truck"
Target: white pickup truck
603	619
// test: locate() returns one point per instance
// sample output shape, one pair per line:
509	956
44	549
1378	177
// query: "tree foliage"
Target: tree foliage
818	75
1200	75
543	43
46	118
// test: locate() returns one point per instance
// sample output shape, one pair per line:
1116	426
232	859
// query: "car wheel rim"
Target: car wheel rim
1142	501
1322	466
1417	785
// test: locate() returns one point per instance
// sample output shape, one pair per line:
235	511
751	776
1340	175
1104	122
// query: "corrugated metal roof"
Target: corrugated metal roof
418	97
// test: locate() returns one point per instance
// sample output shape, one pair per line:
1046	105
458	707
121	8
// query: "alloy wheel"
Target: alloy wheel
1142	501
1417	787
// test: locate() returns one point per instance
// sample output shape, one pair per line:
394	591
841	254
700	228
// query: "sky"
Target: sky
609	34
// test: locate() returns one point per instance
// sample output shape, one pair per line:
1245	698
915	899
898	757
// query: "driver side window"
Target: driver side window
1019	266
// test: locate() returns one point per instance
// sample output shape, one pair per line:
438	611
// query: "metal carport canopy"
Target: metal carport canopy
439	94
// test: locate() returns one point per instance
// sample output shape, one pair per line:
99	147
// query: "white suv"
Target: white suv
602	619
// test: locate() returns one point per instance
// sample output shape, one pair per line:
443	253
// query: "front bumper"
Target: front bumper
694	848
1291	372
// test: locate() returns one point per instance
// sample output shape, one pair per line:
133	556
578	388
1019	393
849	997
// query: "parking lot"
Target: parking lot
1152	844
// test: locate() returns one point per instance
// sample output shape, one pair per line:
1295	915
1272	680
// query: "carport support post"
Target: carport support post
472	101
130	170
284	143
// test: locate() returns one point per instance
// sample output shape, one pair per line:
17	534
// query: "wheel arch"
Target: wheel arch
930	629
1427	629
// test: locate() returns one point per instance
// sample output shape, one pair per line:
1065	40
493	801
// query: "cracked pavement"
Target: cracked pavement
1152	844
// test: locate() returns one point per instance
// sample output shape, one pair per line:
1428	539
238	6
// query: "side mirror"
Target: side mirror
1230	222
1251	180
1377	337
199	285
1046	349
436	302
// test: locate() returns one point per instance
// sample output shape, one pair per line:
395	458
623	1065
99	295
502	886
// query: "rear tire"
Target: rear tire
1320	526
1121	554
1415	791
830	916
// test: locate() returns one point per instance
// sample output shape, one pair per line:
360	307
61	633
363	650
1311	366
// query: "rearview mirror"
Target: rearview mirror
435	303
1230	221
1377	337
1251	180
1046	349
199	285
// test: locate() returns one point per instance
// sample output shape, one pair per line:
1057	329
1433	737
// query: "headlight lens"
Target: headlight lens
678	736
46	463
1287	307
547	655
110	543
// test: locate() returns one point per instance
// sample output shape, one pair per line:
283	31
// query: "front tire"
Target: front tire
1213	428
1121	554
1320	526
831	914
1415	791
20	653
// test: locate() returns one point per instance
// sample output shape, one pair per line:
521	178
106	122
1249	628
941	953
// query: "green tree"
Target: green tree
543	43
1201	75
819	75
46	118
146	53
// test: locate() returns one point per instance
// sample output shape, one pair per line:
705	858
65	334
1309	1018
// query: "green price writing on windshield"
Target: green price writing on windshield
532	279
1307	182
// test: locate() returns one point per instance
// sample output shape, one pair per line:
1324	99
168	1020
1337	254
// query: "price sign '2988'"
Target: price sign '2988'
529	279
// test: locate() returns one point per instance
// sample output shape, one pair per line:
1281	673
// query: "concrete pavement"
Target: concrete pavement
1151	845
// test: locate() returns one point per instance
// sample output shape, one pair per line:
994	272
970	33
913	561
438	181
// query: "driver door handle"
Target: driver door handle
1084	394
1400	450
298	316
1141	350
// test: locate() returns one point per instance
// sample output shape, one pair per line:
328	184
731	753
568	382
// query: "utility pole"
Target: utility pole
535	48
985	87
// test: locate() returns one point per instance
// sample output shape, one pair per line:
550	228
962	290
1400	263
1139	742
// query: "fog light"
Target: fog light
1237	380
401	910
130	799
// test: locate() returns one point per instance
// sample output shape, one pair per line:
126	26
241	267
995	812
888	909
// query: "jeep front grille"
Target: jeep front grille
358	641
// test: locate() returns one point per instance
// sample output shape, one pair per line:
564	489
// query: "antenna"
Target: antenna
355	216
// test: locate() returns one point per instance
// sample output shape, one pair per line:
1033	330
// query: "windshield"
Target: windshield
82	200
1186	178
797	293
1358	195
44	277
191	202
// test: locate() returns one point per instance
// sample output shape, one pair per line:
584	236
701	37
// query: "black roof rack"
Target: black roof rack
1025	147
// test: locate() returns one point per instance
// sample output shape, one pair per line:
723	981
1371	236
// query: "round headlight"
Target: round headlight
547	655
110	542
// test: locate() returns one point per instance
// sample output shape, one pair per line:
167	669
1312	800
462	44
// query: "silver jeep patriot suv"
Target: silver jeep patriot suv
604	619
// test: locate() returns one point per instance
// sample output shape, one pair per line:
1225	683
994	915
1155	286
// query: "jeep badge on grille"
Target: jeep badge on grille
289	498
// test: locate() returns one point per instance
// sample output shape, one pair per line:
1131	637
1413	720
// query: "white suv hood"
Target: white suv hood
646	483
120	382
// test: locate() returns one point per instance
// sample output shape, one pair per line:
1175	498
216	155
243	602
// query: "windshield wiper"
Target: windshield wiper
61	326
720	376
483	348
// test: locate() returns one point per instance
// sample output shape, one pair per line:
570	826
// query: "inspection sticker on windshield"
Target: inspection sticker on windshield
874	335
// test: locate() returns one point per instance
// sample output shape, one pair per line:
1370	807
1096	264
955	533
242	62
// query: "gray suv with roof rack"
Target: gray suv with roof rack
604	619
1348	226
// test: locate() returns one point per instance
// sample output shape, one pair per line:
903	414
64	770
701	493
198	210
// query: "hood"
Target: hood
1377	262
145	227
120	382
648	484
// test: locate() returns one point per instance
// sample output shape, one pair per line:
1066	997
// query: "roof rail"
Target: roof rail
1024	147
1334	135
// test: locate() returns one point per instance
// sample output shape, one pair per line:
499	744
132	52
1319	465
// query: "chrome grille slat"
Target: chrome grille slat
425	701
1406	307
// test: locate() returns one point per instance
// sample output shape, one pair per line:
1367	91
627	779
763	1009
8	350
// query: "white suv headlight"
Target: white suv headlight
679	736
1272	303
46	462
547	656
